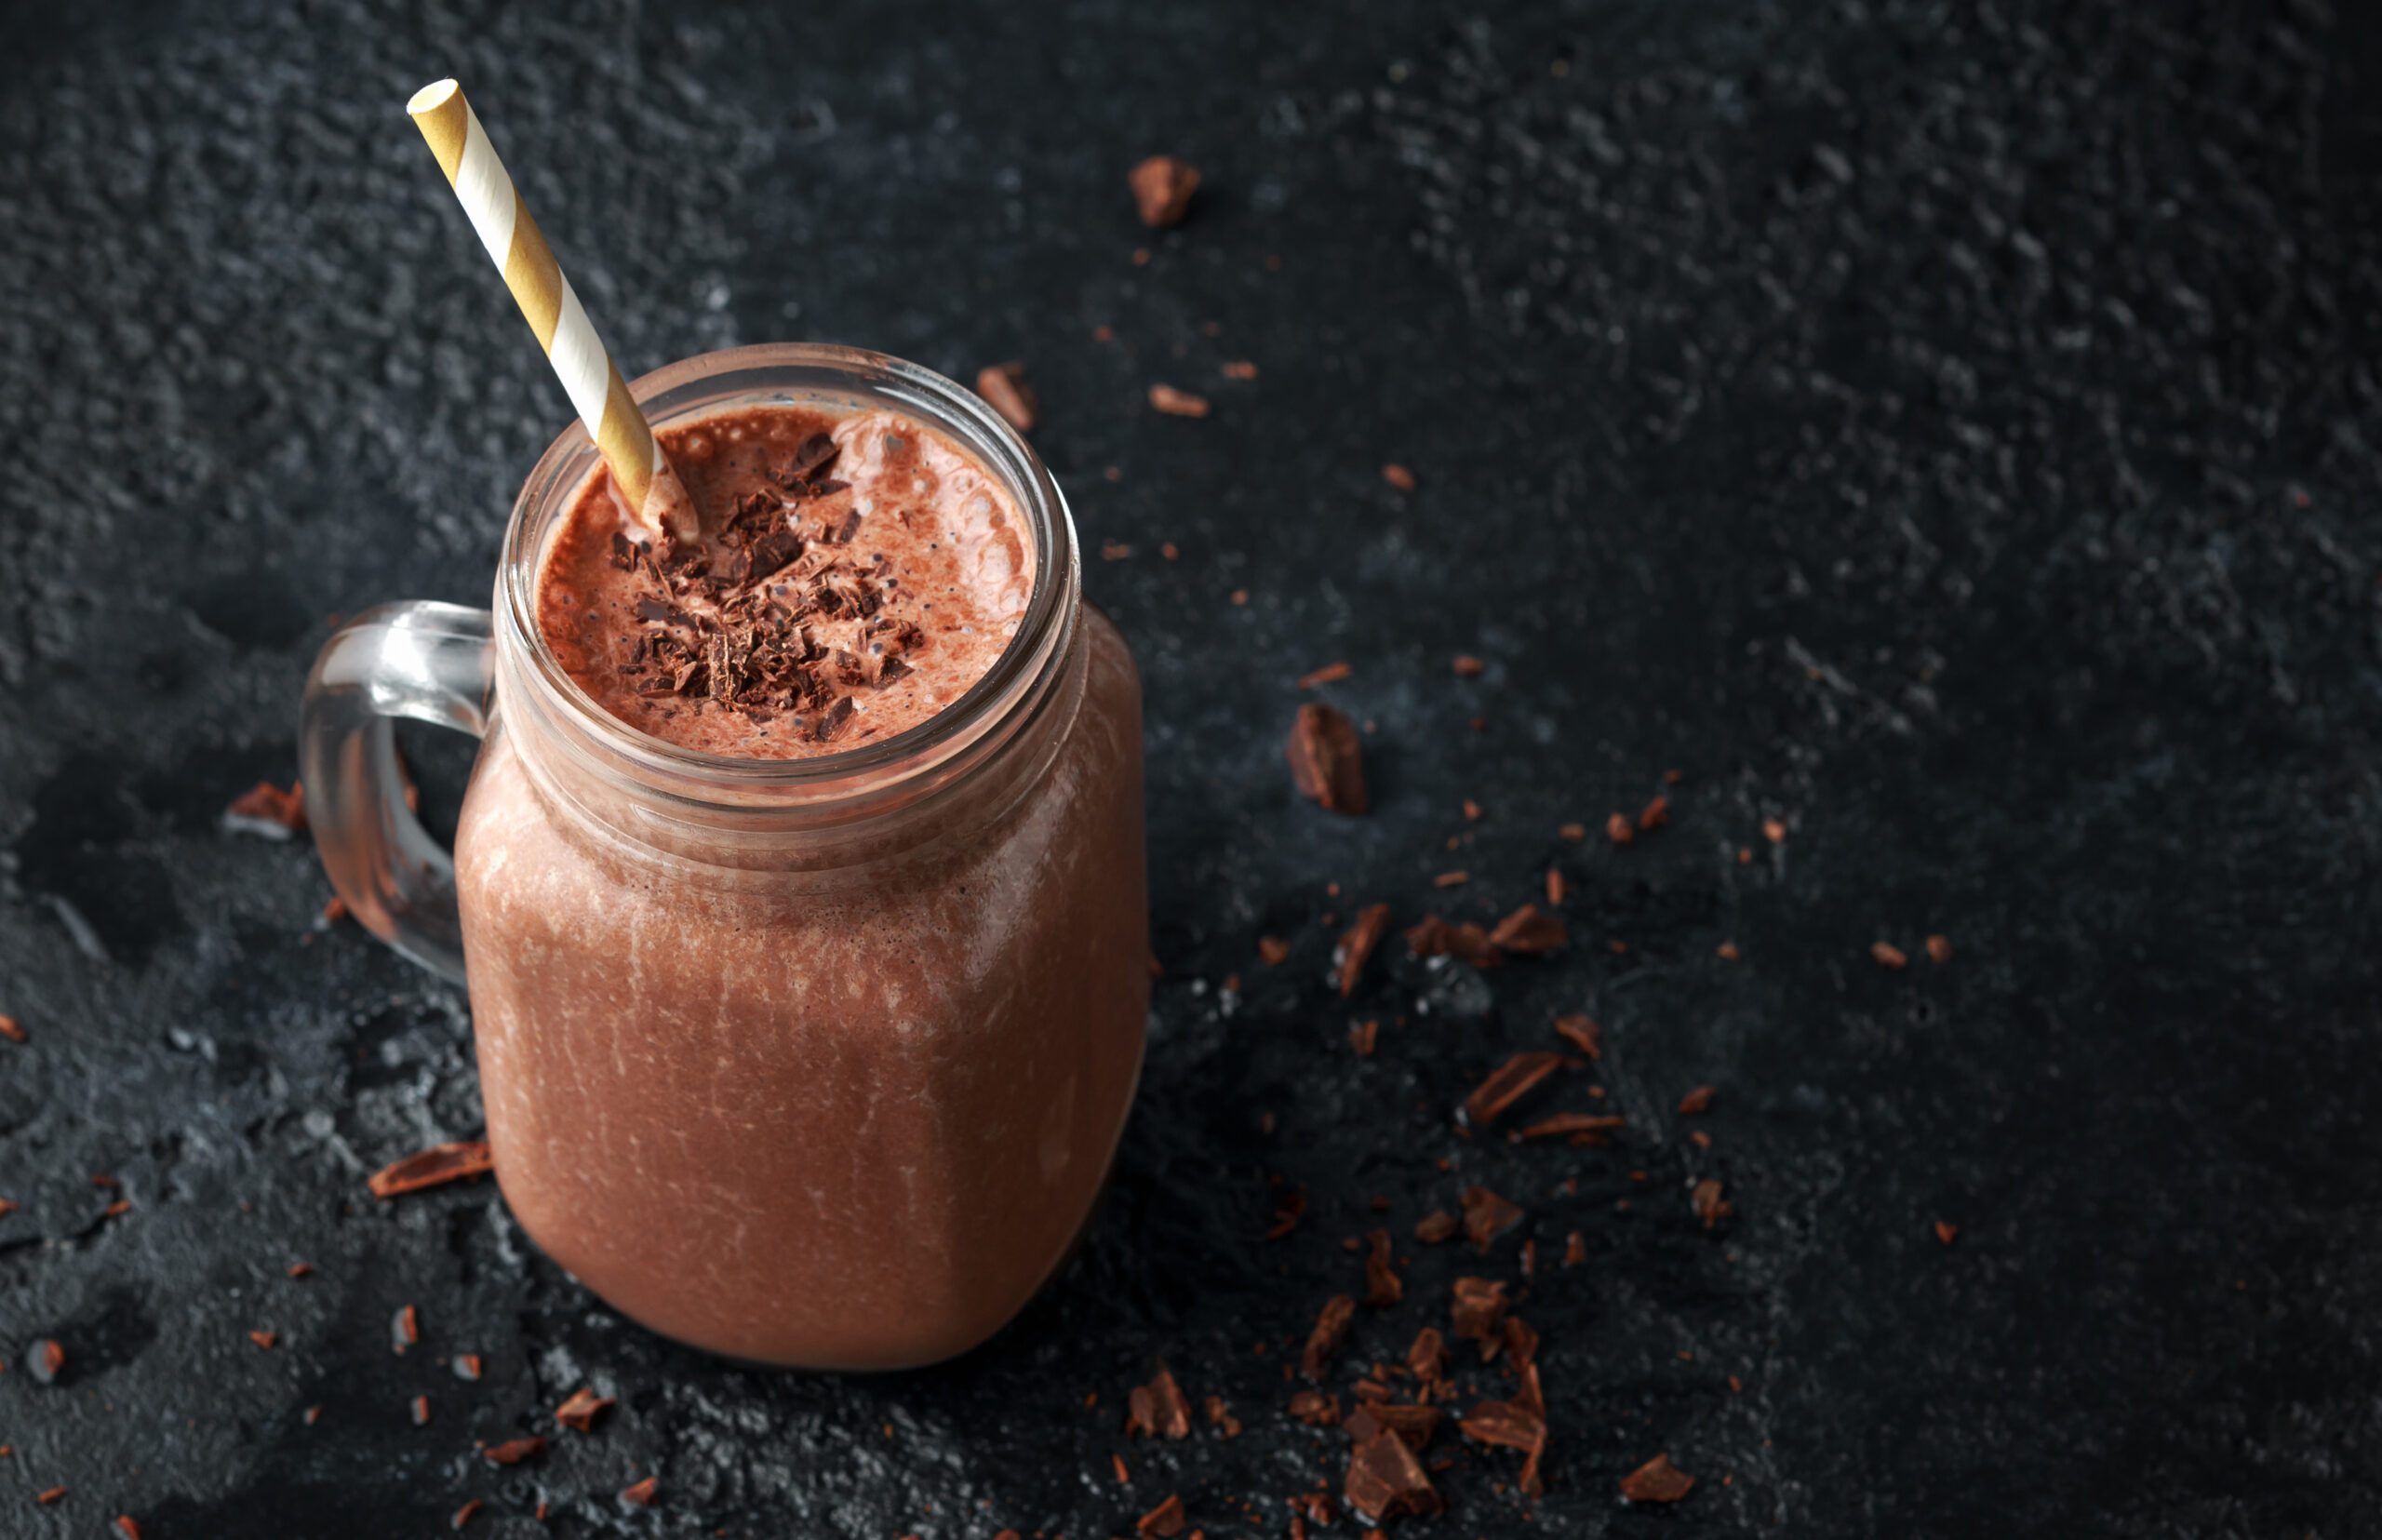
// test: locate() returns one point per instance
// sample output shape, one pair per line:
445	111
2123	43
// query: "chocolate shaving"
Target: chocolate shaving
1162	190
1177	403
1382	1286
1435	937
1159	1409
641	1492
1384	1479
1164	1520
1326	759
514	1451
1529	931
1512	1080
1581	1128
1004	388
1582	1033
1657	1481
1487	1216
1358	943
1331	1328
1521	1343
431	1168
578	1414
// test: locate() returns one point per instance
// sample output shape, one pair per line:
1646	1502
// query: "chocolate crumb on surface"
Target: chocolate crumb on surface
1709	1206
1946	1232
1657	1481
1507	1084
1163	186
431	1168
265	809
1696	1102
1356	944
1004	389
47	1359
1487	1216
1476	1309
1165	1521
641	1493
1582	1033
514	1451
1435	1226
1529	931
1177	403
1327	760
1382	1286
1889	956
1239	369
11	1029
50	1497
1159	1409
1399	476
1939	950
468	1512
580	1412
1331	1328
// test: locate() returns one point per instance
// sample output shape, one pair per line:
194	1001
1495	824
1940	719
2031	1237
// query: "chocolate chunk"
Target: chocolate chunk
1503	1424
1657	1481
1331	1327
1512	1080
1529	931
1487	1216
832	720
1435	937
1004	388
1162	190
1159	1409
1384	1479
431	1168
1326	759
1356	944
811	456
1413	1424
1477	1308
1382	1286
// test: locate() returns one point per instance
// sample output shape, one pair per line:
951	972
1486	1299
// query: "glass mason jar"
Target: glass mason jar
815	1061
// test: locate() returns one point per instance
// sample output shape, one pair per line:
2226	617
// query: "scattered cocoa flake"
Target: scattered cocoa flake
1316	1409
1168	549
1220	1416
1555	886
300	1269
1946	1232
1435	1226
1575	1248
1521	1343
641	1492
313	1414
1507	1084
52	1495
1574	832
265	809
1399	476
1655	814
1330	1328
119	1209
579	1412
1582	1128
1330	674
1162	189
1939	950
1582	1033
1450	879
1657	1481
1274	950
1502	1424
1889	956
1124	1477
1177	403
1114	551
1288	1211
421	1409
127	1526
334	909
10	1030
468	1512
1737	1386
1164	1520
1696	1102
1477	1308
431	1168
1363	1036
1004	388
1727	952
1384	1479
405	1329
1529	931
1159	1409
1487	1216
1709	1206
1435	937
1382	1286
1700	1139
466	1366
48	1358
1326	759
1239	597
1239	368
512	1451
264	1338
1774	831
1427	1359
1618	828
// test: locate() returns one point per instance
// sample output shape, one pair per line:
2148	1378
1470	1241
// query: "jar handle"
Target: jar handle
432	663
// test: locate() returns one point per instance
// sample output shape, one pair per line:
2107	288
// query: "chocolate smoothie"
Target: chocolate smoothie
792	1085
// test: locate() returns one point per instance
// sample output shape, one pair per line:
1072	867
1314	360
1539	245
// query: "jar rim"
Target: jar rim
713	382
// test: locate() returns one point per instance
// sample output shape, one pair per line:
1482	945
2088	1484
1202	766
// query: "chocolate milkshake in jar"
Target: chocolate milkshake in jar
799	887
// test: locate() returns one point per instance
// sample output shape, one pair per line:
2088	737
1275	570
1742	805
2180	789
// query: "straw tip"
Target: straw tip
432	97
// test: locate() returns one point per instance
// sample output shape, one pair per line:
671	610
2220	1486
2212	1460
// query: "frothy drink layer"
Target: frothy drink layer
859	571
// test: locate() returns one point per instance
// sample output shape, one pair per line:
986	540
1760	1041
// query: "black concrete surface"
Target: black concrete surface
1950	429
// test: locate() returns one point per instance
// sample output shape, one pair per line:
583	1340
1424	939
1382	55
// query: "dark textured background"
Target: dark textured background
1950	428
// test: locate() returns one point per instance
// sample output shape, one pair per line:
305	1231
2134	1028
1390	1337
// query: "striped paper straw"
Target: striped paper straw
520	252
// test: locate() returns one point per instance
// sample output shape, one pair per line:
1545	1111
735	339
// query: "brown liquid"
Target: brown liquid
847	1116
938	549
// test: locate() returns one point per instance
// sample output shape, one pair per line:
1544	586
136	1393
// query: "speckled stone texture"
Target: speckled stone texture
1949	429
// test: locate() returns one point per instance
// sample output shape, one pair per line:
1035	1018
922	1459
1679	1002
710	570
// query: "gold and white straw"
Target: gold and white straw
513	243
